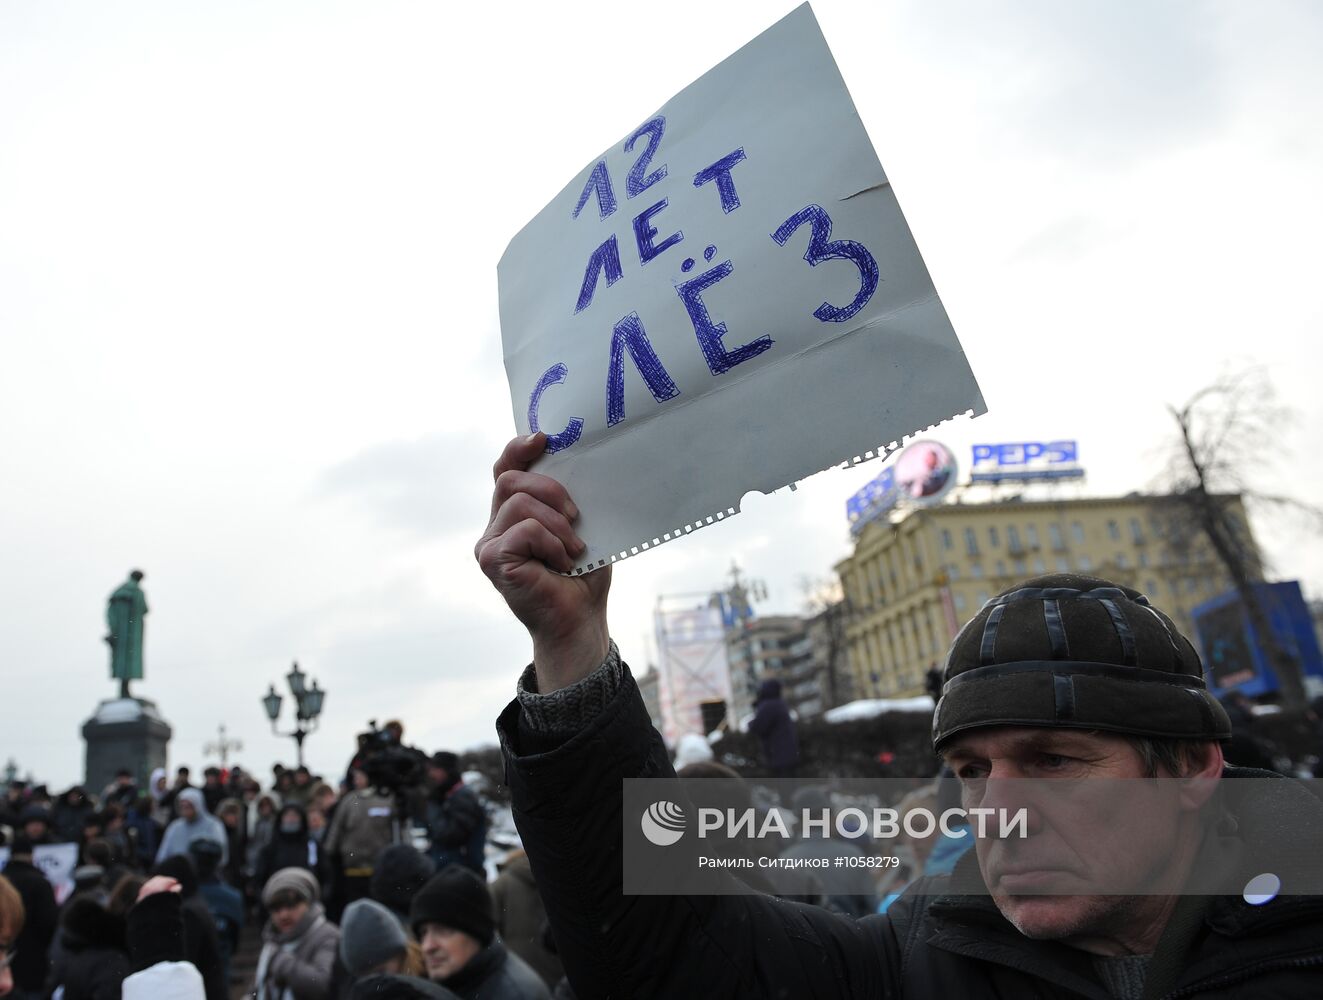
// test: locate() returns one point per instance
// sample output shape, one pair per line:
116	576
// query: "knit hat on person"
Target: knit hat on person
446	760
369	935
457	898
400	871
299	881
1075	652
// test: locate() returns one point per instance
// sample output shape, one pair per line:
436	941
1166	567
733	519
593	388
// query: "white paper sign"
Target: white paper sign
56	861
727	300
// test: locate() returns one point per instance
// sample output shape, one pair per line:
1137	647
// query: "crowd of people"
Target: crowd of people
373	885
384	883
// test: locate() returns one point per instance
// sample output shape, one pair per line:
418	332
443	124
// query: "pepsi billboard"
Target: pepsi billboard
1025	462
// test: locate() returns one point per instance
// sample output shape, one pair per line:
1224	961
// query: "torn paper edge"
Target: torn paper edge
884	452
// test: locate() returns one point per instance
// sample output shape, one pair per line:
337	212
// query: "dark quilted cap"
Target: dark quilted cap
1076	652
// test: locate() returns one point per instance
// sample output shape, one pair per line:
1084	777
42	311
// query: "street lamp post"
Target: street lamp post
307	705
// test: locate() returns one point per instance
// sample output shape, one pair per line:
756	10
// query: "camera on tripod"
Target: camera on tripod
390	766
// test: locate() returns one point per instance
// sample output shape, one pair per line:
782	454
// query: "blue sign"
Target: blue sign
1025	461
1234	656
874	500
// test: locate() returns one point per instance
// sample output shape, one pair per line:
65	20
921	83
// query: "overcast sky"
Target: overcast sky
248	308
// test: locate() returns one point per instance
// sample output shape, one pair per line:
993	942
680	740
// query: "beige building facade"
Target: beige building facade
916	578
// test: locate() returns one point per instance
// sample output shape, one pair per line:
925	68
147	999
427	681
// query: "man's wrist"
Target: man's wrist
558	663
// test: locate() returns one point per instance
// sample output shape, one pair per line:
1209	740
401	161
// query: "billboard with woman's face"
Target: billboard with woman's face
925	471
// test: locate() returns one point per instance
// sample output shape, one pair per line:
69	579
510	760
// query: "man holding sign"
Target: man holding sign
1063	678
760	314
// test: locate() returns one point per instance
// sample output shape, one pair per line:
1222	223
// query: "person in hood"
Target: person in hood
299	944
155	934
454	921
201	938
194	823
158	787
291	846
92	958
775	729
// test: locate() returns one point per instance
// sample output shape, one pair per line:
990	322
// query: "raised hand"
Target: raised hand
529	543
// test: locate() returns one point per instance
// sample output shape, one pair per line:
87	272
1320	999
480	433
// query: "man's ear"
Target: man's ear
1203	770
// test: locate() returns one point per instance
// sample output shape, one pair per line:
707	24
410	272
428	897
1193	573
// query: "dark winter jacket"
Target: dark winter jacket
398	988
774	727
92	958
41	917
456	828
290	850
496	973
936	941
69	815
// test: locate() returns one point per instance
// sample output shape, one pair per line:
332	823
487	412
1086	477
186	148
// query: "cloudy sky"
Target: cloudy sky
249	308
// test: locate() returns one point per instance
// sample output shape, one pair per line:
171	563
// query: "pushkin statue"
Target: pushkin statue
124	616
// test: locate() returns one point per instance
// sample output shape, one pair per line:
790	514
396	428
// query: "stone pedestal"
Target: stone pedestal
124	733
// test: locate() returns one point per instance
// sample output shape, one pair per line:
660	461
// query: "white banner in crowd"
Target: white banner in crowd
56	861
727	300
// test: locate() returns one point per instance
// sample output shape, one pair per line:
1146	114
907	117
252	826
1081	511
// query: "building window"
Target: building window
1121	561
1153	587
1086	564
976	571
1113	531
1077	531
959	602
1063	564
982	598
1039	567
946	539
993	541
1001	568
953	572
1018	565
971	542
1031	534
1013	539
1143	558
1136	531
1054	535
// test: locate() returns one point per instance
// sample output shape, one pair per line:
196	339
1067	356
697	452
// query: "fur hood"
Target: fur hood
86	924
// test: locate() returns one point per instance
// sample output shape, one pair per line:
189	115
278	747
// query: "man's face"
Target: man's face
437	775
35	829
1083	840
446	950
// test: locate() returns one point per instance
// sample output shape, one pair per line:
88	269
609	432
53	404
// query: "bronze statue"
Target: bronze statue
124	616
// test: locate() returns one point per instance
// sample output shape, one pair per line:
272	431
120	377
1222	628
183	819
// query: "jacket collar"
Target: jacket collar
485	963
